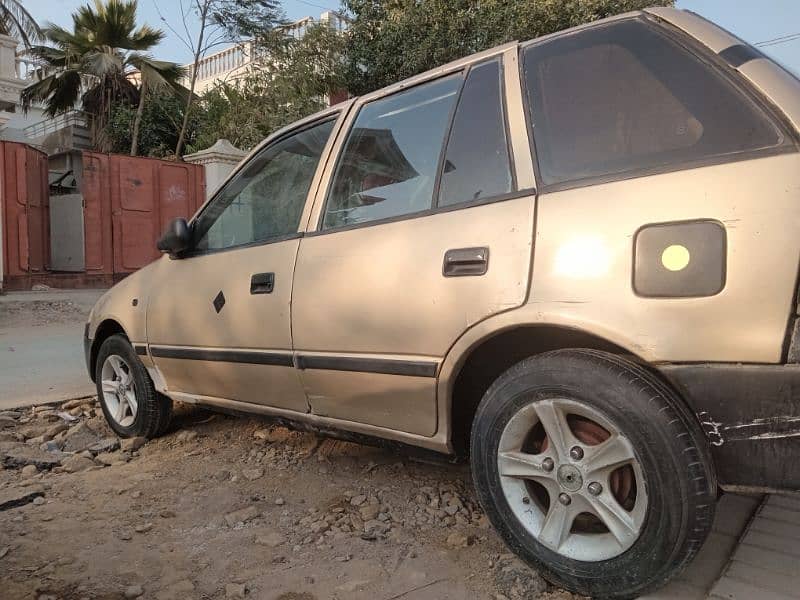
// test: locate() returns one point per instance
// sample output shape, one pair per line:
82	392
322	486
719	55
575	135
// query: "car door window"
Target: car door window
624	97
265	199
476	164
390	159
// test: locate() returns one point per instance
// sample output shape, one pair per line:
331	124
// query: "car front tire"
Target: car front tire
130	402
594	472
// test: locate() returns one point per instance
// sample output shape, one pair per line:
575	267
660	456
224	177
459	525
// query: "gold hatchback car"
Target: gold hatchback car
573	260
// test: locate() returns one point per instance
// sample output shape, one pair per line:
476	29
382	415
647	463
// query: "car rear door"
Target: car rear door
423	228
218	320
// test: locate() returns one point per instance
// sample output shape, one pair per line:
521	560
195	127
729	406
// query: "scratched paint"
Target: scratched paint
770	428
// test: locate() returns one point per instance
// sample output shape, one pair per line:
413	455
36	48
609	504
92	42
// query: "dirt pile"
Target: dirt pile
236	508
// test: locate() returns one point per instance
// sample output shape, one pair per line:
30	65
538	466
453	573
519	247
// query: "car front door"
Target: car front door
218	322
422	231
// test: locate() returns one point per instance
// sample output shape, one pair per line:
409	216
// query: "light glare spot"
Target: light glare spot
583	258
675	257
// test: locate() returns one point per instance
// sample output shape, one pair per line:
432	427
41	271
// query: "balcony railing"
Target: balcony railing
75	118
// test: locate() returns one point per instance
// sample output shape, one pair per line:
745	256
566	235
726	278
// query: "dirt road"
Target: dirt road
41	356
235	508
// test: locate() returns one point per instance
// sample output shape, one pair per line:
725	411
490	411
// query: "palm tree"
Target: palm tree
18	23
94	65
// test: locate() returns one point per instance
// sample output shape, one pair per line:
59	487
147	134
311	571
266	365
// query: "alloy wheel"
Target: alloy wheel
572	479
119	390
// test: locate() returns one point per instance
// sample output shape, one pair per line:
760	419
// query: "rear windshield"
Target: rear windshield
622	97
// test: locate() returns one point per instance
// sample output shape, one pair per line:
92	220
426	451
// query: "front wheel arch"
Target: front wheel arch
105	330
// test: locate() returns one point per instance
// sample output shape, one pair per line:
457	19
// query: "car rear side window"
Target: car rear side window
390	159
623	97
265	199
476	165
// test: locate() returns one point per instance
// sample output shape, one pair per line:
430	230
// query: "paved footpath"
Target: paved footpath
766	563
732	517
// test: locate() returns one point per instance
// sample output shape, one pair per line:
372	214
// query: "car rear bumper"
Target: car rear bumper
751	417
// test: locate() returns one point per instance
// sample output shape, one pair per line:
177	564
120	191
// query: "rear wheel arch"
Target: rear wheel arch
499	351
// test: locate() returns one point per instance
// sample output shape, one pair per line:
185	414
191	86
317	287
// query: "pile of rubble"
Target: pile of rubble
68	438
259	489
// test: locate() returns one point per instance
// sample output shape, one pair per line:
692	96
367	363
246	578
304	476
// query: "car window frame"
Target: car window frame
462	67
281	135
500	60
789	144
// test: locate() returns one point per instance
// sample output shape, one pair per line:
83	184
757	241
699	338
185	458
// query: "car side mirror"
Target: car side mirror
176	238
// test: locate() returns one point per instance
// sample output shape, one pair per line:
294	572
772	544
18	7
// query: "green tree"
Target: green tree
218	22
290	79
161	120
390	40
18	23
158	77
91	65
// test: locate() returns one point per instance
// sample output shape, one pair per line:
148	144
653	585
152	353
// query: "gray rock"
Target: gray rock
111	458
186	436
39	500
143	528
29	470
7	422
54	430
70	404
11	414
79	438
180	590
458	540
272	539
15	456
252	474
369	512
132	444
358	500
133	591
279	434
13	497
353	585
108	444
51	446
77	463
235	590
241	516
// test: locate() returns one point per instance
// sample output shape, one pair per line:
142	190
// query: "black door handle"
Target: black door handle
462	262
262	283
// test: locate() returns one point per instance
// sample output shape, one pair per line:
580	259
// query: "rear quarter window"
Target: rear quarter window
619	98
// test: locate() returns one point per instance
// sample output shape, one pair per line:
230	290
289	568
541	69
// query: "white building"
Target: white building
54	135
233	62
71	130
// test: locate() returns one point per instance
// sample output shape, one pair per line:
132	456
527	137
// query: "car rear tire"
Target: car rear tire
130	402
593	471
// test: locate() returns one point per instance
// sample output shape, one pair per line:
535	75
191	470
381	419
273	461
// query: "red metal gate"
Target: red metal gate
24	218
128	203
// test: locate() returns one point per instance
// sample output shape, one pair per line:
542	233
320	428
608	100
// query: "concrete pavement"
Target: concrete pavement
43	362
766	562
732	517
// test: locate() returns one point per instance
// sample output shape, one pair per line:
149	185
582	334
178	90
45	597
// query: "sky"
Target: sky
754	21
151	11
